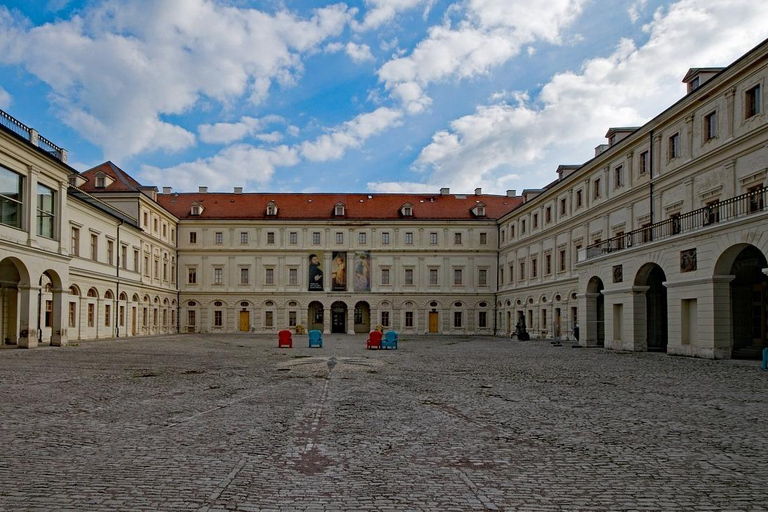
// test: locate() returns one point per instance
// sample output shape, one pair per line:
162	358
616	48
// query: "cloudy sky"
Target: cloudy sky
367	95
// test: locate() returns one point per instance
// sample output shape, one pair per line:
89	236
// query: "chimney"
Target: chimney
599	149
445	191
511	193
202	190
238	190
167	190
478	191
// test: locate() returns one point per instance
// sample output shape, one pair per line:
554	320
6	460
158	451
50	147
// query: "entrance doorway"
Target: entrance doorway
749	303
362	317
245	321
339	317
433	322
652	276
595	312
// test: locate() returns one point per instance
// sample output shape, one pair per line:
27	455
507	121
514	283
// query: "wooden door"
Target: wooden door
433	322
245	321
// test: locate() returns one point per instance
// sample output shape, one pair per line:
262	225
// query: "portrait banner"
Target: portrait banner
339	272
362	271
315	272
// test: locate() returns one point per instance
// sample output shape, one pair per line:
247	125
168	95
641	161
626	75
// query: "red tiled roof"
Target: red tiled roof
321	206
123	182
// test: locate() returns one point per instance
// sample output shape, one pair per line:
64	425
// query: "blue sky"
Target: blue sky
370	95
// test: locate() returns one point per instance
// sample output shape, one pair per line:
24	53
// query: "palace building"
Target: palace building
657	243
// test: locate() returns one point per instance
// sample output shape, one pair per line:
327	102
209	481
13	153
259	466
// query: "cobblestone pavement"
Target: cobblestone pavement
212	423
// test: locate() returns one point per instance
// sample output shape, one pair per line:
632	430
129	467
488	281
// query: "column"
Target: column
27	322
730	112
59	337
30	204
326	320
350	320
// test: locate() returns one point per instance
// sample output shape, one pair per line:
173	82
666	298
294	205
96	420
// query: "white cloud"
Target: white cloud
5	99
384	11
492	32
401	187
574	110
359	53
352	134
636	9
225	133
240	163
120	68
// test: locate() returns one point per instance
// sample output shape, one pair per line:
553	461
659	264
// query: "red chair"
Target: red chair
284	339
374	340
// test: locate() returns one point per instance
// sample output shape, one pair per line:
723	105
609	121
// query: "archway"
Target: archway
362	317
595	327
339	317
12	274
749	304
652	276
315	316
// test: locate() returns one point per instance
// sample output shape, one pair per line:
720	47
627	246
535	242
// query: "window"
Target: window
94	247
483	238
165	230
157	269
218	275
385	318
547	264
191	320
522	270
433	276
72	314
269	276
433	239
165	270
218	237
193	237
618	176
91	314
409	276
512	231
596	188
674	146
362	238
316	238
48	321
339	237
135	260
292	319
457	238
244	276
338	209
173	270
562	260
501	275
11	194
482	319
146	265
122	315
522	226
619	243
756	198
243	237
270	237
457	319
196	210
217	318
548	215
511	273
107	314
385	276
562	207
482	277
676	227
271	209
407	211
644	162
409	238
146	219
293	238
503	235
110	251
74	248
101	182
269	318
579	201
534	267
154	225
535	220
385	238
753	102
710	126
124	256
293	276
45	215
409	319
457	277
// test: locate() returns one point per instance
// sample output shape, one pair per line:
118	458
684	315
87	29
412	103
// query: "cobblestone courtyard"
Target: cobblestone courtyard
203	422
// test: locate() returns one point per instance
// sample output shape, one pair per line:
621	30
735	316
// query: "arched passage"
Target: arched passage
595	328
652	276
339	317
362	317
315	316
12	275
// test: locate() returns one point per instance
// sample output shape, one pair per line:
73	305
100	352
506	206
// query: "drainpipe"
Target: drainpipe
650	170
39	312
117	282
495	295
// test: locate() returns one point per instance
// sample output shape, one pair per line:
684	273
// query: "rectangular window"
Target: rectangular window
433	276
710	126
618	177
433	239
72	314
218	276
339	237
535	220
271	237
121	314
48	321
91	314
193	237
562	207
165	230
11	196
217	318
457	277
522	227
269	318
409	319
292	319
269	276
107	314
385	238
511	273
74	248
578	199
512	231
596	188
482	277
154	225
110	251
483	238
501	275
124	256
385	276
243	237
409	238
146	265
534	267
146	219
548	264
45	211
753	102
644	162
674	146
157	269
191	320
482	319
409	276
135	260
457	238
756	198
522	270
192	276
362	238
293	276
94	247
218	237
503	235
173	235
244	276
548	214
315	238
385	318
165	270
293	238
562	260
457	319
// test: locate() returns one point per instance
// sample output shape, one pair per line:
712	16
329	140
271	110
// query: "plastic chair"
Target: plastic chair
374	340
315	339
284	339
390	340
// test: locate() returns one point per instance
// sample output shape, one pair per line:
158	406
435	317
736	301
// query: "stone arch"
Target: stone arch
362	317
74	290
123	297
108	295
651	277
595	329
14	302
315	315
93	293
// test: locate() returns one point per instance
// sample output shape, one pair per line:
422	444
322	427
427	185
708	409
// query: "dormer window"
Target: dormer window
479	210
339	210
271	209
196	210
100	182
406	210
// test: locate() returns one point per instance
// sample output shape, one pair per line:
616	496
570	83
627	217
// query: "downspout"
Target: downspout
39	312
178	294
117	283
650	169
495	295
